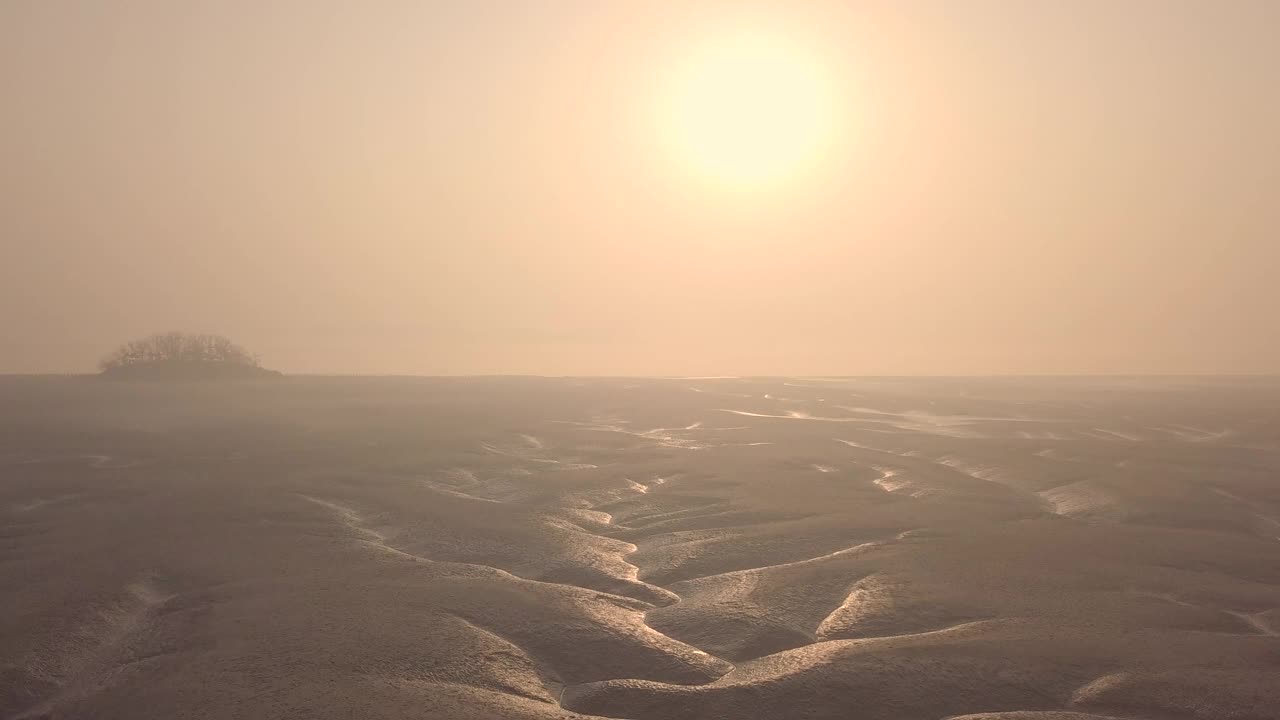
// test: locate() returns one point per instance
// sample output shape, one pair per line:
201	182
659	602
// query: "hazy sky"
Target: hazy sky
483	186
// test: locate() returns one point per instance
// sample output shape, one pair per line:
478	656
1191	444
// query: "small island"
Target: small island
183	356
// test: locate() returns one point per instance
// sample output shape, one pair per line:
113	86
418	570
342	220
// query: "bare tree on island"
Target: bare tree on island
176	355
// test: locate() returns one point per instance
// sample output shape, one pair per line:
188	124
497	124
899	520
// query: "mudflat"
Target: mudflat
747	548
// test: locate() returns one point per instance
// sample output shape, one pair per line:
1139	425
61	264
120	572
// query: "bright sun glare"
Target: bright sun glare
749	112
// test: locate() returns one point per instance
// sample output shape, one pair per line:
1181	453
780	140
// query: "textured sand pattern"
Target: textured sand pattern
647	549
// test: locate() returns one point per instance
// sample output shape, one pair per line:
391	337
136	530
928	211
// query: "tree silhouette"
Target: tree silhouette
175	348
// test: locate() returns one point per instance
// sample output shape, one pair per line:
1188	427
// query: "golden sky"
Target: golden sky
588	187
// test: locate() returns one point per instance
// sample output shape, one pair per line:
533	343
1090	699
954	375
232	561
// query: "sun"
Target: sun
749	112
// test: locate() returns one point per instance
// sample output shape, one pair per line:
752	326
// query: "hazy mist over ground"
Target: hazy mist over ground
631	360
439	188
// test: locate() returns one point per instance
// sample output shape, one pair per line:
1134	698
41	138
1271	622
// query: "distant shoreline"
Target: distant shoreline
275	374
